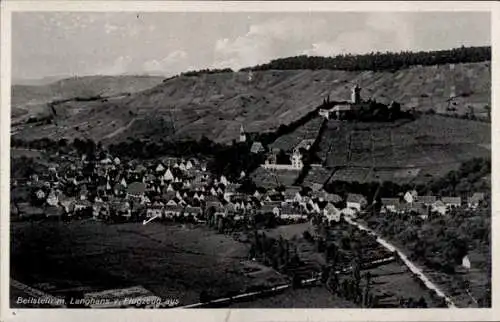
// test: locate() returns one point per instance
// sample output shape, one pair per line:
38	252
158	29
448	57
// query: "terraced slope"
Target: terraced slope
216	105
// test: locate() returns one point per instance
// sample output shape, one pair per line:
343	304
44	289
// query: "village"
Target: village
184	189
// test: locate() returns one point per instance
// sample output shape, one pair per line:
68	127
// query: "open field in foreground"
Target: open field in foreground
171	261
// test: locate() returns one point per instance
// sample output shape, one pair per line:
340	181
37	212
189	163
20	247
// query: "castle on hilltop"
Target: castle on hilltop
342	110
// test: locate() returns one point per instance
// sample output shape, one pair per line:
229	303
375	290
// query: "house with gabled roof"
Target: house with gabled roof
452	201
293	213
81	205
192	211
52	198
155	210
270	208
427	200
173	211
356	201
389	204
332	198
439	207
410	196
475	200
160	167
292	194
168	175
257	147
331	213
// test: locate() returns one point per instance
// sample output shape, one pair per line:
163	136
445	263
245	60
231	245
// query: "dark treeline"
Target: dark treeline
380	61
207	71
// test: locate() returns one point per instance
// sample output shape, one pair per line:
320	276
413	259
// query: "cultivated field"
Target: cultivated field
316	174
176	262
270	178
404	151
216	105
308	131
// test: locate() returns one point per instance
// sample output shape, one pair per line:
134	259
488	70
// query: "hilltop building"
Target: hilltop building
343	110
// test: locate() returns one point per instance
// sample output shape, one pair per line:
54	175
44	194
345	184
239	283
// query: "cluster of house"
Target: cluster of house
174	187
168	188
422	205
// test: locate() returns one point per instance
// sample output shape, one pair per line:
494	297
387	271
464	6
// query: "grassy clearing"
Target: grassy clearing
171	261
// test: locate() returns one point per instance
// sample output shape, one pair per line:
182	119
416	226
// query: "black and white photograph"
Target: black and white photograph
249	160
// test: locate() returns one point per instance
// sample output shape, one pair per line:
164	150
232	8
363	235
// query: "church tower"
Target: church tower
356	95
243	136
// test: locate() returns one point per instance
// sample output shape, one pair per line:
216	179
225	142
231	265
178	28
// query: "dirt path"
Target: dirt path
121	129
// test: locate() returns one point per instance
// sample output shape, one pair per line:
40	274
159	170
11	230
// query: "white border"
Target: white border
243	315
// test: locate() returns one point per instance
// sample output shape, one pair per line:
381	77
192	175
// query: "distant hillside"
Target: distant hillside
380	61
33	97
215	105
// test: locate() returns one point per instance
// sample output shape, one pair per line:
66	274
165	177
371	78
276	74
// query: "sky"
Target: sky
47	44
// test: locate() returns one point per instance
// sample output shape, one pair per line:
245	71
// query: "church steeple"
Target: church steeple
356	94
243	136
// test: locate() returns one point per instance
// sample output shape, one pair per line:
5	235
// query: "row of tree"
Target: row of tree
380	61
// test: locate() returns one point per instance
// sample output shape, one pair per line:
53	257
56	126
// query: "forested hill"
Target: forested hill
379	61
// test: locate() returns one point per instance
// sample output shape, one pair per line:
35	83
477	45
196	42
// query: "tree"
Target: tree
487	108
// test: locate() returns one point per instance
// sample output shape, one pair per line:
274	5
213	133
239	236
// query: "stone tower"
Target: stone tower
356	94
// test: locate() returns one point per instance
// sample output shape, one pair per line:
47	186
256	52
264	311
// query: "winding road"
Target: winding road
415	269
